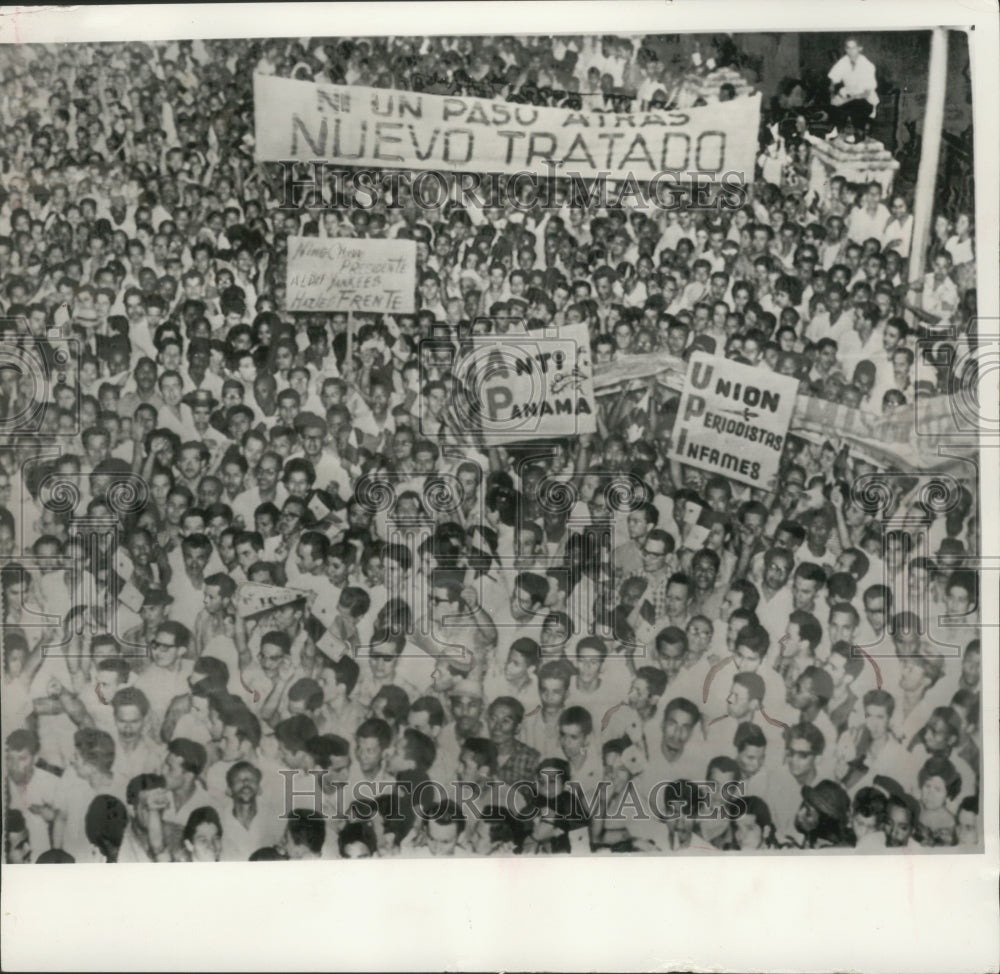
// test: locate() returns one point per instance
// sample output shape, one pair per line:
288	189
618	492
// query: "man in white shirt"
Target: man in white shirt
246	823
136	750
88	776
938	296
898	232
166	676
864	342
870	218
853	86
182	770
175	414
35	792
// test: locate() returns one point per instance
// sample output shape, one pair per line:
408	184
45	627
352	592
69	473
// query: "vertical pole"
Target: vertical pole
349	357
923	202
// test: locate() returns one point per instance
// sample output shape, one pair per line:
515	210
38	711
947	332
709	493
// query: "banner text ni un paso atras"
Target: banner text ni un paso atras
384	128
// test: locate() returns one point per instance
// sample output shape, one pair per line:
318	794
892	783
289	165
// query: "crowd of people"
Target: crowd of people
265	598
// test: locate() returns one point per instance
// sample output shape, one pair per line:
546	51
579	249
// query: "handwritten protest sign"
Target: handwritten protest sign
733	419
351	274
522	385
355	126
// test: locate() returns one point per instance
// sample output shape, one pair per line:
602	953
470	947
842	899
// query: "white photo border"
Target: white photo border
872	913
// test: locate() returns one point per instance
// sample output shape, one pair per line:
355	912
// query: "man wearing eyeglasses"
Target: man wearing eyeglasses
804	744
167	676
458	622
382	667
268	487
657	567
330	472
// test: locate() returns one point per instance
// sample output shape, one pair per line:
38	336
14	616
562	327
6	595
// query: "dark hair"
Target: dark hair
759	809
870	803
749	595
140	783
420	749
445	813
191	753
377	728
748	735
308	829
435	709
723	763
199	817
483	750
104	825
939	767
579	717
685	706
754	638
808	732
354	832
654	678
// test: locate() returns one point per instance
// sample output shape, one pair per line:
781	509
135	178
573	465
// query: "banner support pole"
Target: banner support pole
923	196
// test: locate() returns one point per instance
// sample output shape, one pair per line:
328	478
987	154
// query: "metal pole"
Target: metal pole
349	358
923	201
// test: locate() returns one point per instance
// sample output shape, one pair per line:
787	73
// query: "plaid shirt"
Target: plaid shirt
520	764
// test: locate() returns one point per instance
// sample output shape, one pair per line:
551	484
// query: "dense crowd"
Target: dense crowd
318	628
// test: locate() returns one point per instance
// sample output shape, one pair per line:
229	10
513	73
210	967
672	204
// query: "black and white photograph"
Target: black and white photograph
496	444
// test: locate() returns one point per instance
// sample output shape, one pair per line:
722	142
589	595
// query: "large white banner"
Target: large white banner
733	419
301	120
351	274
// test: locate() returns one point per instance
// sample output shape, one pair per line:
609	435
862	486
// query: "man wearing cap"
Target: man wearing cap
823	817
